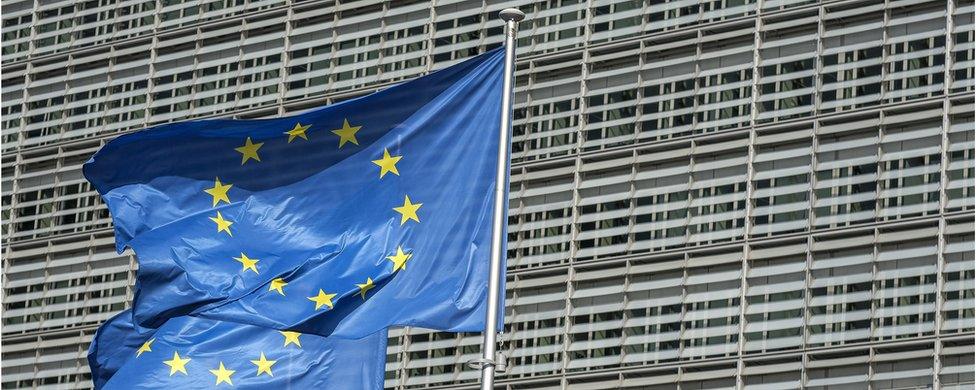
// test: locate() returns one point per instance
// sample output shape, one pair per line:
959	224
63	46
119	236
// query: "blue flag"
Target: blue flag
192	353
344	220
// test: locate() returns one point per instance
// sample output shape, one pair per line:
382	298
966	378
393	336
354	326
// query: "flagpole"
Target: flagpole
511	17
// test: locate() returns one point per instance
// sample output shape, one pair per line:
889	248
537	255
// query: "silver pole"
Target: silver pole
511	17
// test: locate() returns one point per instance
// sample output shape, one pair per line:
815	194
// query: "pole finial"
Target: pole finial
511	14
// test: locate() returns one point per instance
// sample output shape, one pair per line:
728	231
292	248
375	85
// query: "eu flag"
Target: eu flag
342	220
195	353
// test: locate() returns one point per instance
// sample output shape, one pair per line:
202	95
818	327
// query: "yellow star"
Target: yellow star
408	211
176	364
223	374
298	131
387	163
322	299
291	338
347	133
247	263
146	347
249	151
223	225
264	365
219	192
400	259
364	287
278	285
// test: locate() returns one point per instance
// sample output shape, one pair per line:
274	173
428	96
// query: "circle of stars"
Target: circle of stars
220	193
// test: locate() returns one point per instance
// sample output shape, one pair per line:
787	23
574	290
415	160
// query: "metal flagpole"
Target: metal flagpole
511	17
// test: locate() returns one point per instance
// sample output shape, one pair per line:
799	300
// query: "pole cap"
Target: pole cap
511	14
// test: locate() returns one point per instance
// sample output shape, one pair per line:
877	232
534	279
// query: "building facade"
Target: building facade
758	194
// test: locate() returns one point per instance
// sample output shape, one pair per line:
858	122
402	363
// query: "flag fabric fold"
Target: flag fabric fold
195	353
